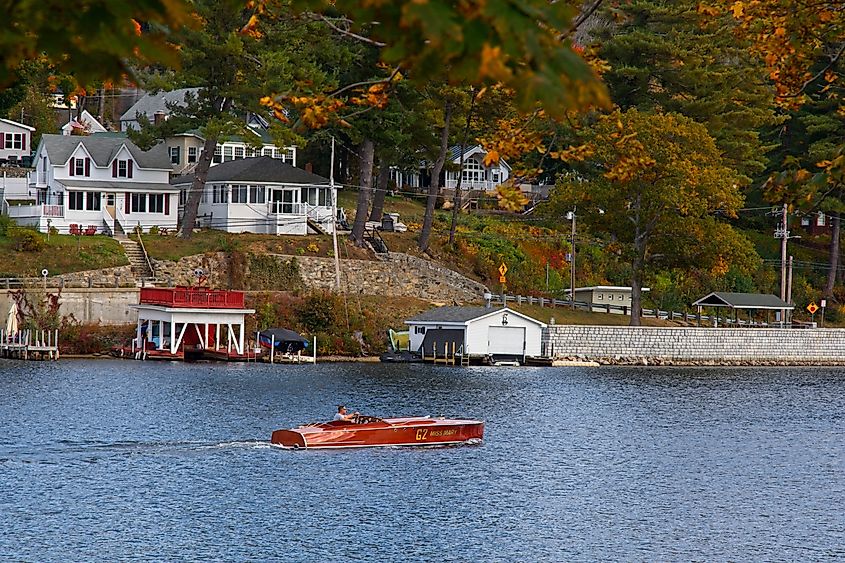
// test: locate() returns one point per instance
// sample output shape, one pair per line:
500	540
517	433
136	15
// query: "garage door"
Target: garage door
506	341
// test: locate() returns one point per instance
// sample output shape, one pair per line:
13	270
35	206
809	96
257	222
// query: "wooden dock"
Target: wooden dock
30	345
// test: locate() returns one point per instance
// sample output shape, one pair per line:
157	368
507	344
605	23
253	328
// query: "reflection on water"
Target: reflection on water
115	460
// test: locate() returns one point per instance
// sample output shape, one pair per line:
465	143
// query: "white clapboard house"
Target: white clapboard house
262	195
100	183
15	141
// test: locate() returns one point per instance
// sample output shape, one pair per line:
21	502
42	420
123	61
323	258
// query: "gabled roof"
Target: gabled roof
103	148
742	301
152	103
605	288
261	169
461	315
469	150
86	117
16	124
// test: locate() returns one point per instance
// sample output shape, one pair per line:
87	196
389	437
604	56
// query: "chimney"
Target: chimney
309	167
158	117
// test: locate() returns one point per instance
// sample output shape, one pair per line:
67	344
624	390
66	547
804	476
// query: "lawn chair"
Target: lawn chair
74	229
91	230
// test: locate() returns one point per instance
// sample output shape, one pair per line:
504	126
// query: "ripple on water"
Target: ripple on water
119	460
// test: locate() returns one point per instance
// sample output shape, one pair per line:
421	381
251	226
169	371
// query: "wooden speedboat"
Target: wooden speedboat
368	431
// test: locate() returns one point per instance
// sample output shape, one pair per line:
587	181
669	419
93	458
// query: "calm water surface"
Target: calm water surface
114	460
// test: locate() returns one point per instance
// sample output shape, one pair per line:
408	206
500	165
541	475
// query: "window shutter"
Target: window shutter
23	142
126	203
2	140
114	168
72	166
167	204
87	166
129	168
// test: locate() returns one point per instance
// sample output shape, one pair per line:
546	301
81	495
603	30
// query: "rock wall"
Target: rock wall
688	345
398	275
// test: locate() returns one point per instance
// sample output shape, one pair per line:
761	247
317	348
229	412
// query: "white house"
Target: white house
476	332
476	176
100	182
86	124
606	298
15	140
262	195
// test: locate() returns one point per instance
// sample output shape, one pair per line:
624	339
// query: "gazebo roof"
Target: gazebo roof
743	301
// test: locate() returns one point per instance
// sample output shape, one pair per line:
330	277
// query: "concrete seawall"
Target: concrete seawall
106	306
682	345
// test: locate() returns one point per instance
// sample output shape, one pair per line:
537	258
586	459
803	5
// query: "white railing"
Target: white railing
39	210
279	208
486	185
120	218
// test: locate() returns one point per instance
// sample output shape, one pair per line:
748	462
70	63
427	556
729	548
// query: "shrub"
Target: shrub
26	240
154	230
318	312
6	223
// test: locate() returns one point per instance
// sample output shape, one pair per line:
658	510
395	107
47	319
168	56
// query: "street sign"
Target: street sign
503	269
503	279
812	308
823	303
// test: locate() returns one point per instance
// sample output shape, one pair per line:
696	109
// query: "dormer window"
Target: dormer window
121	168
79	167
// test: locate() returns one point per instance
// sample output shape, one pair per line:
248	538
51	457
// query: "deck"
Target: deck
192	298
30	345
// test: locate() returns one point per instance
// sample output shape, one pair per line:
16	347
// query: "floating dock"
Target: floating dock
30	344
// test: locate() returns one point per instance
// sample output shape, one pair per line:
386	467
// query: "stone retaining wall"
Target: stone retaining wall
687	345
397	275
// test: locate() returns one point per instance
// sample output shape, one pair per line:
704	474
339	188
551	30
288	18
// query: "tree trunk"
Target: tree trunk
833	257
189	217
364	192
101	104
637	278
434	188
456	208
381	192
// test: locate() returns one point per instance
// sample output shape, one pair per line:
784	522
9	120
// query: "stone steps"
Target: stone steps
137	259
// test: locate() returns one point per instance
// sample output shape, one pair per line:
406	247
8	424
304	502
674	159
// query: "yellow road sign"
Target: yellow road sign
503	279
503	269
812	308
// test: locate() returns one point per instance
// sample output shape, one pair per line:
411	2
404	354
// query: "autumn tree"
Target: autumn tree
651	184
667	56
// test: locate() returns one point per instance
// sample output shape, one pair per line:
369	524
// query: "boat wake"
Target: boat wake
92	451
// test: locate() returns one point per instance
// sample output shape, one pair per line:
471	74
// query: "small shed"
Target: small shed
606	298
476	332
743	301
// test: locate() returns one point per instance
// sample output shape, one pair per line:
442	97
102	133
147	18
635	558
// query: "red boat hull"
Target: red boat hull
418	431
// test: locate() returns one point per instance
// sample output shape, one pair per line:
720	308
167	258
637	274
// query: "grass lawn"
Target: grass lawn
566	316
60	255
171	247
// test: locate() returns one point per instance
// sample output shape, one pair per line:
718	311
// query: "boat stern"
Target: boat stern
288	439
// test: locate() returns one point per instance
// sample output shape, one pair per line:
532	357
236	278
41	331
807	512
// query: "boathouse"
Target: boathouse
190	322
475	332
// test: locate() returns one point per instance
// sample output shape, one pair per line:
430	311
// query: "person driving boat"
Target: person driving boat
342	414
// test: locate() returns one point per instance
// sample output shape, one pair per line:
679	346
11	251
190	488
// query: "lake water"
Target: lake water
121	460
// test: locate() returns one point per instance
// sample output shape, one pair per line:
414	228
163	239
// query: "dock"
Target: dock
30	344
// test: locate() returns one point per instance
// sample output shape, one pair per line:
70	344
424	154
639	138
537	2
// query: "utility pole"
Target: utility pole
334	223
782	233
789	283
571	215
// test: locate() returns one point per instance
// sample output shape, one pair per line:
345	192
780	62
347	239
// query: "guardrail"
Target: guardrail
625	310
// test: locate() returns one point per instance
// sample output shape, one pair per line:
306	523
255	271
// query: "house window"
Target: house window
805	221
289	156
156	203
192	155
276	153
256	194
473	172
14	141
239	153
138	203
316	196
220	194
820	220
122	169
228	154
79	167
239	192
496	176
183	197
75	200
419	330
267	151
174	155
218	154
92	201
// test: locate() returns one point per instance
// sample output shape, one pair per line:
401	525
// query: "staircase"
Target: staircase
137	259
317	227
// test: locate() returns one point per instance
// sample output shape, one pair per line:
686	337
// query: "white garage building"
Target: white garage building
476	332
